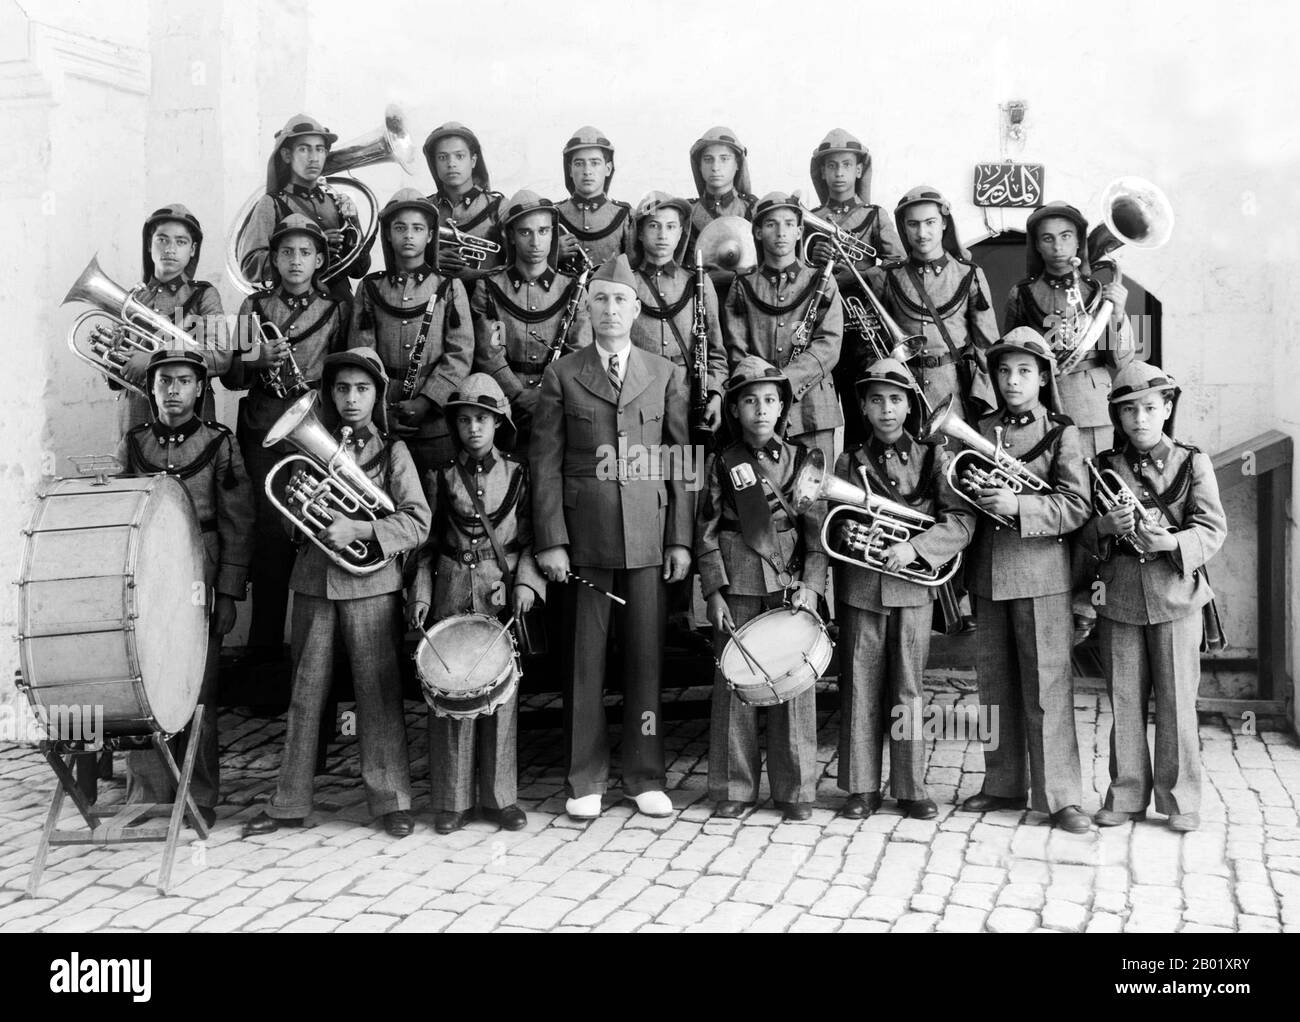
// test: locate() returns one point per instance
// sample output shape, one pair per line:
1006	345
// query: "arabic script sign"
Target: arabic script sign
1009	184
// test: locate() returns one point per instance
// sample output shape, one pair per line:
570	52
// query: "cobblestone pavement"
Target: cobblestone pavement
1003	872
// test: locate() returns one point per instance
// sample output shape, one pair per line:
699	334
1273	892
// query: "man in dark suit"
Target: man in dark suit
604	414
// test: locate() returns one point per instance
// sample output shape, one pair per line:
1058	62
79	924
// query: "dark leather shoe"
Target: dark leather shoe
1116	817
1072	820
795	811
263	824
968	623
730	809
918	808
859	807
449	822
509	818
986	803
399	823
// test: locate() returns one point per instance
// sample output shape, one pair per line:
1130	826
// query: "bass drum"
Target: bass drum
113	605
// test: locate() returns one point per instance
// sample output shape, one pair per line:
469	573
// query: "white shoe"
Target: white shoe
585	808
653	803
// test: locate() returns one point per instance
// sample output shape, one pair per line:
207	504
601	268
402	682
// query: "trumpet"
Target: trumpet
871	523
284	380
992	466
1109	492
323	482
856	249
471	248
1136	213
134	328
390	143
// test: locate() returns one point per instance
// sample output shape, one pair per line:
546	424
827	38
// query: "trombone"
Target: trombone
323	482
871	524
132	326
990	463
390	143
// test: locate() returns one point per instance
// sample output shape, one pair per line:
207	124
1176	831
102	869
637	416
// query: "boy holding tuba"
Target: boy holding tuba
885	620
363	612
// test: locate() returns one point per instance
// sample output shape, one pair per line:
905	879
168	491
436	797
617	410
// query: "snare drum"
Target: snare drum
113	607
776	656
467	665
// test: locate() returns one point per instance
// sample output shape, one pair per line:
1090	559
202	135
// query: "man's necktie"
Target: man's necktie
612	369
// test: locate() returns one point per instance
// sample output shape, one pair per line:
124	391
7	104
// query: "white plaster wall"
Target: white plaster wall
1193	96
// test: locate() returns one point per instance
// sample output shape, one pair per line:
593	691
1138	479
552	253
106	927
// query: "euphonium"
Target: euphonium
390	143
136	328
324	481
1109	491
1136	213
871	524
992	465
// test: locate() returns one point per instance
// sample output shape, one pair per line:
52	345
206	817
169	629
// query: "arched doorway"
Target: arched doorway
1002	259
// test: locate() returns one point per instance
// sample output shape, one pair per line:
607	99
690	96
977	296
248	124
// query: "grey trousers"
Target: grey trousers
882	665
1138	659
1023	664
734	764
371	630
147	780
453	746
642	625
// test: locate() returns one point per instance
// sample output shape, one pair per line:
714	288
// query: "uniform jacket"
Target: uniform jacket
477	212
319	329
467	571
386	316
1166	587
530	313
200	314
960	294
603	226
762	312
254	243
205	457
674	285
606	517
1033	558
904	466
388	463
725	560
1038	302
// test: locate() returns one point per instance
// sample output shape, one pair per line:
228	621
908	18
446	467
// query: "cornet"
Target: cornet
135	328
390	143
471	248
284	380
871	523
1109	491
992	465
322	482
854	247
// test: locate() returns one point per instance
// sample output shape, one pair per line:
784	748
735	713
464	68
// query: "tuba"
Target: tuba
727	244
1136	213
324	481
1109	491
135	328
390	143
871	522
992	465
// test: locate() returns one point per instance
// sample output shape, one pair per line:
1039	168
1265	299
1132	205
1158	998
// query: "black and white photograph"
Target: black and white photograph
743	467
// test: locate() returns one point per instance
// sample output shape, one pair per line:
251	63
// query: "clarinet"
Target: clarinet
570	314
803	333
700	332
417	353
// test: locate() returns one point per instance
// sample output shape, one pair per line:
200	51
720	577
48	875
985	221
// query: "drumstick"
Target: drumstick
747	655
424	639
487	649
592	585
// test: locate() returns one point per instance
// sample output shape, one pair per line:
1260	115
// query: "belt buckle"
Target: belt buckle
467	556
930	361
